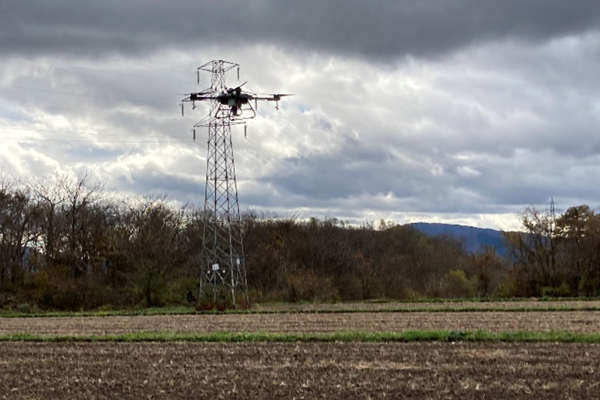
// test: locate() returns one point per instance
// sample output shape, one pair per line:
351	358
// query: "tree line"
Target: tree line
556	254
68	243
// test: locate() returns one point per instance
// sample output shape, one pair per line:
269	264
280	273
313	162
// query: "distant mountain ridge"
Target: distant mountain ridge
476	239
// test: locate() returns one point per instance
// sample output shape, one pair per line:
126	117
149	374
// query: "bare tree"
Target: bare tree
19	230
81	218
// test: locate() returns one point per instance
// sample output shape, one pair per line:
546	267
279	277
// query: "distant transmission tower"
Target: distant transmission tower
223	269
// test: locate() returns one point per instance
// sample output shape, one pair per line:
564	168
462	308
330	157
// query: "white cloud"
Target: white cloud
467	171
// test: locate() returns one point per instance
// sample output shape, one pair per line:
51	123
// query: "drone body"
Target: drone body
233	101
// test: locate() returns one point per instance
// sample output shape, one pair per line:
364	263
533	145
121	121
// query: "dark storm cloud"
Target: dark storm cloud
376	28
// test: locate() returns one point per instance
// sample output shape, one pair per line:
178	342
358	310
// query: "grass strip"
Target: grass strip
192	311
343	337
280	308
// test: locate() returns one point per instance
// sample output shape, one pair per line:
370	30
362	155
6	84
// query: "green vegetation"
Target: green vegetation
408	336
66	245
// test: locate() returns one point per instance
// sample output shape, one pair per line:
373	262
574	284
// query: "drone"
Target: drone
233	101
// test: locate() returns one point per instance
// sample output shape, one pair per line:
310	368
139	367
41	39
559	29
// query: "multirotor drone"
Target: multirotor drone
232	102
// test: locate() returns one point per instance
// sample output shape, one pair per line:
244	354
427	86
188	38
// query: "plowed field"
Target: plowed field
578	321
514	305
420	370
299	370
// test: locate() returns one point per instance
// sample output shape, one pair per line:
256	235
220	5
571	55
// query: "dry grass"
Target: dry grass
514	305
542	321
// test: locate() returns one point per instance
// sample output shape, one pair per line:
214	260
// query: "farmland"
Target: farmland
300	370
285	363
544	321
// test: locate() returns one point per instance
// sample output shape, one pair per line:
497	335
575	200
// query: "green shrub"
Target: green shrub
411	294
182	291
149	283
561	291
307	286
25	308
457	285
506	289
54	288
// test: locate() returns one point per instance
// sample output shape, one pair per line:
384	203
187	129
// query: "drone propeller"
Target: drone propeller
278	96
237	88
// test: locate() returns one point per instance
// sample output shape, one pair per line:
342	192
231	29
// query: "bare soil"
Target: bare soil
576	321
300	370
515	305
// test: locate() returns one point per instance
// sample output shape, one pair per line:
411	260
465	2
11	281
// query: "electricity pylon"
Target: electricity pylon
223	269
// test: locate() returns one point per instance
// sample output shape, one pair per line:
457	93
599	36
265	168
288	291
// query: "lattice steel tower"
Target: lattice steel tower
223	269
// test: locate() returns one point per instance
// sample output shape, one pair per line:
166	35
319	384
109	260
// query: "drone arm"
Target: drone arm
265	98
274	97
195	97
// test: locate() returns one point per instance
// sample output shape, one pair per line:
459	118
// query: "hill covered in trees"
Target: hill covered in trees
69	244
475	239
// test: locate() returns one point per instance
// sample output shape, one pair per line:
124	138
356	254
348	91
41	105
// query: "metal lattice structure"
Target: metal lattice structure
223	270
223	273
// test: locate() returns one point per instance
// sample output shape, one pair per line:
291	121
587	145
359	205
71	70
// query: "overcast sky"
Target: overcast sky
431	110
